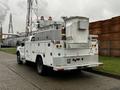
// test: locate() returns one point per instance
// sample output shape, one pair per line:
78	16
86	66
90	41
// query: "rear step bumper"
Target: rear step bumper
64	68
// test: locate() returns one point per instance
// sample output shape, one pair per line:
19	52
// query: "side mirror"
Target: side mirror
18	43
22	44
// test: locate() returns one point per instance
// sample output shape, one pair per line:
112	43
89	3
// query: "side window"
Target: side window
33	39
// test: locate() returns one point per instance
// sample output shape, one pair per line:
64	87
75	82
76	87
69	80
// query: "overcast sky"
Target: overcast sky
93	9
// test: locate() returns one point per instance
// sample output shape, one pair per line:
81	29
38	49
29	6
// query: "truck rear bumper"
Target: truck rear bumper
62	68
75	62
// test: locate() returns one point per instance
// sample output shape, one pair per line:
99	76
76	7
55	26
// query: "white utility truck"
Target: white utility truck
63	45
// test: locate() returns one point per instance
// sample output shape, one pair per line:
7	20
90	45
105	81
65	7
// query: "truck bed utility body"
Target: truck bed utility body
61	45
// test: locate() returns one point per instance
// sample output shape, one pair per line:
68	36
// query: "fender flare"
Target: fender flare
39	56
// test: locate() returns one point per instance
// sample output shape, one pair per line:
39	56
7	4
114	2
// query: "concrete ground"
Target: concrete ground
24	77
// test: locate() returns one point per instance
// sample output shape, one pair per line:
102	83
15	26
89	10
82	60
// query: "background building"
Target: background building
109	36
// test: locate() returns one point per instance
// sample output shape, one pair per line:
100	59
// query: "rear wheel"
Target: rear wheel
41	69
19	59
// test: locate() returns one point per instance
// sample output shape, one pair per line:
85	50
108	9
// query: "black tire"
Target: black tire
41	69
18	59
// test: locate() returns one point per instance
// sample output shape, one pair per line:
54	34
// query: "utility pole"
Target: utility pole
29	16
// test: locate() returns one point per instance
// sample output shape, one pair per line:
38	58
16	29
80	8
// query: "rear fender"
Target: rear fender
41	58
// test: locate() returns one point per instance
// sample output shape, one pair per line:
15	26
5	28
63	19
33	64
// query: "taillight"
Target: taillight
93	46
58	46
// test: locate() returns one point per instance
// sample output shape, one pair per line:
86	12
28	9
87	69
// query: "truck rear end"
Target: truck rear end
77	49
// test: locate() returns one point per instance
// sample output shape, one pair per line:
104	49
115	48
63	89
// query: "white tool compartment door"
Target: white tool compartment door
28	50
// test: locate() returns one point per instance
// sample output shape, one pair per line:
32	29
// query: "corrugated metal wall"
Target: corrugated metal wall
109	36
